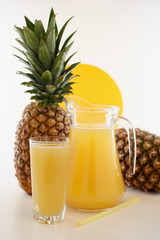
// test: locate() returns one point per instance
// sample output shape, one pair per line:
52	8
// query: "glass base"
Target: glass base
49	219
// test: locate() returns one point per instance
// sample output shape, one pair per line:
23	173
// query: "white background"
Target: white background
120	36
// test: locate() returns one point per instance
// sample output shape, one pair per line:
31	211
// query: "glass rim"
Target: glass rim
49	140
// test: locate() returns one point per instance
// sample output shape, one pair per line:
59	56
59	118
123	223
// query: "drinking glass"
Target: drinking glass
49	157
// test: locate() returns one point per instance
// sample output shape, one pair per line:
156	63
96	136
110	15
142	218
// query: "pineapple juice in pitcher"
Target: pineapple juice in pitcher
94	176
93	164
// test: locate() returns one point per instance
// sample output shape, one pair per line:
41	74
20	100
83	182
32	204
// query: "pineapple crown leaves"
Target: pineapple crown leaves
46	63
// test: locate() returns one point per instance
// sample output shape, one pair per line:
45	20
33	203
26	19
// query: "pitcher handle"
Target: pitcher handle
129	127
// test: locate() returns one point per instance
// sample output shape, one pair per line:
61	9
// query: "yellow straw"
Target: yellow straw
108	211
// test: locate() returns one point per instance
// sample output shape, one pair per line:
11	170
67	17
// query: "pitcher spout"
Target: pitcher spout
86	113
79	104
76	103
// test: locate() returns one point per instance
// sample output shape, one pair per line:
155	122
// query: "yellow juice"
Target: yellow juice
94	176
49	169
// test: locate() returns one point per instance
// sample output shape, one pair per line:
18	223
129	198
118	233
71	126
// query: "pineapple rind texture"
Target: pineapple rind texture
36	121
147	174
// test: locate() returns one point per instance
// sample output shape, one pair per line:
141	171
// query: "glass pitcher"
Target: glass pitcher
94	176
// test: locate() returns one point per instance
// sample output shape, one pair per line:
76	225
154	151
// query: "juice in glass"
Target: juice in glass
94	176
49	169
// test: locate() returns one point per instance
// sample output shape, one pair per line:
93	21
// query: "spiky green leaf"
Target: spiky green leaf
22	60
66	93
59	100
62	54
39	29
66	81
32	61
51	15
58	91
51	24
33	91
29	24
59	62
35	74
20	32
47	77
67	77
44	55
28	84
51	43
35	66
34	86
35	59
35	63
67	40
38	87
24	45
66	88
28	75
56	30
59	80
69	69
57	68
31	39
21	51
45	94
68	59
66	85
50	88
61	34
34	97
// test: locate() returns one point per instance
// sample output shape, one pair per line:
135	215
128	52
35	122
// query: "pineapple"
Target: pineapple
49	81
147	174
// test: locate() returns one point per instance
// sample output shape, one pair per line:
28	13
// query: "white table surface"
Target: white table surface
136	222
